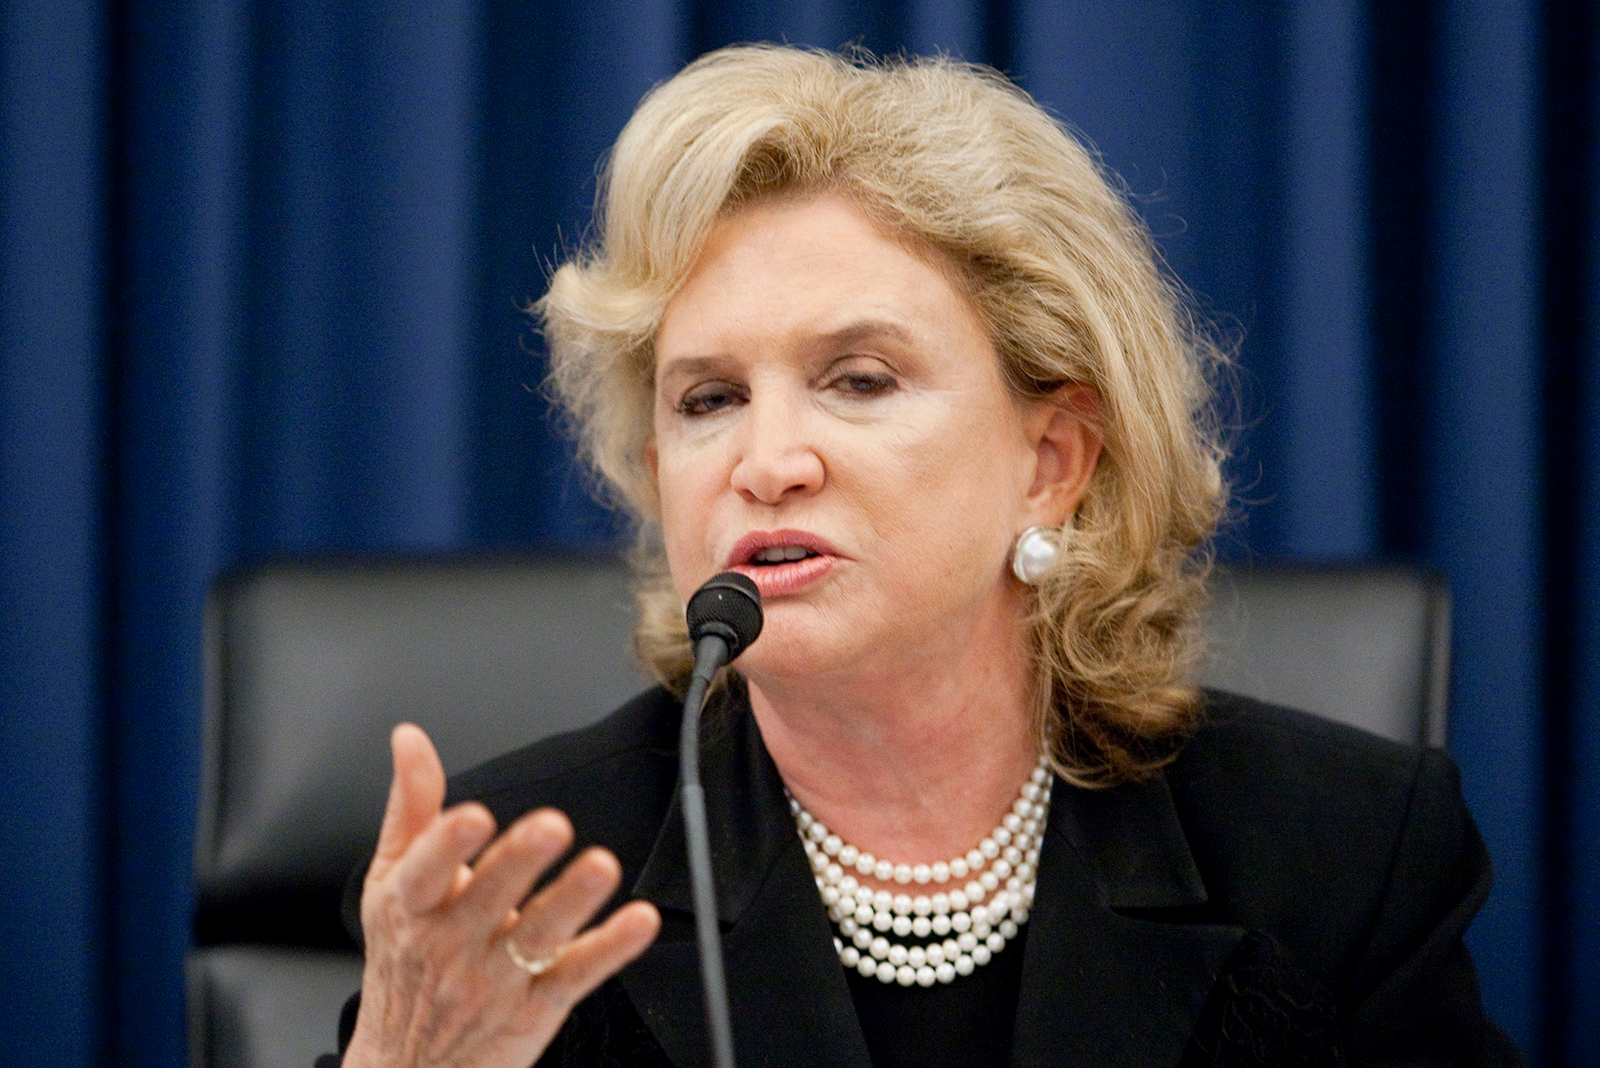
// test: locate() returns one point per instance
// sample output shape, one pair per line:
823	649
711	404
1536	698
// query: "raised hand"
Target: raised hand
441	905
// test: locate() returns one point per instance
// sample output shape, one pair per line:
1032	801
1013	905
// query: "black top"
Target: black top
965	1023
1289	891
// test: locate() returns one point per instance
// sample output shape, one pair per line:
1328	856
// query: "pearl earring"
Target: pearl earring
1037	550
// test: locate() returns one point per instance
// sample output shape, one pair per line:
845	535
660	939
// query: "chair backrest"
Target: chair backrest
1365	645
310	664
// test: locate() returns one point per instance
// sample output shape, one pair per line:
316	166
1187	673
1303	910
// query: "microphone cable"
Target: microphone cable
724	617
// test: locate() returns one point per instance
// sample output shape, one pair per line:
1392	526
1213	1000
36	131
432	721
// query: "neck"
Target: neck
914	762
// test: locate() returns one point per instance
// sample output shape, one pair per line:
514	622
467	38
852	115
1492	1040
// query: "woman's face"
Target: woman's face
831	420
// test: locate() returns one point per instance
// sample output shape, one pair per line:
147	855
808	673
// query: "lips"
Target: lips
782	561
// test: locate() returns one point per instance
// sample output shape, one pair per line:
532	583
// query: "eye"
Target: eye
859	383
709	397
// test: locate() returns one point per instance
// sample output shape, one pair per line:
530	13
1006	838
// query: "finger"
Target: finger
597	954
416	794
559	911
434	868
506	871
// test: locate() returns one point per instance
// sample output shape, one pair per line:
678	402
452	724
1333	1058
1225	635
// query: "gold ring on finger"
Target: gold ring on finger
533	966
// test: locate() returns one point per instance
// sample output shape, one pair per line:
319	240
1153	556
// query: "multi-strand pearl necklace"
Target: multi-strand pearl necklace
959	929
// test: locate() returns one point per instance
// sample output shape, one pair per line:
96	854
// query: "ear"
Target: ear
1067	432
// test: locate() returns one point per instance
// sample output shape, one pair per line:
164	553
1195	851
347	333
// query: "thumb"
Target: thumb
416	794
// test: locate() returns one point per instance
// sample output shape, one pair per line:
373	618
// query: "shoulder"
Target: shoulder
1245	749
1317	832
1354	855
613	779
1290	771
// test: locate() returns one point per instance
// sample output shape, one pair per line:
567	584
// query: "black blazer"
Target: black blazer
1289	891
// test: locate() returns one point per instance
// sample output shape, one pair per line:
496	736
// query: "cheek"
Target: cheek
942	499
687	491
955	467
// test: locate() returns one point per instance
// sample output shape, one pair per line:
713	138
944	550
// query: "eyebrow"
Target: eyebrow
860	330
866	328
692	365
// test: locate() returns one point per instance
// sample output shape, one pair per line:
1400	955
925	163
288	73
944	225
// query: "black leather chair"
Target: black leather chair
309	665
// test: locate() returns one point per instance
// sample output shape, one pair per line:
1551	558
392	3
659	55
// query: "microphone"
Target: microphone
728	607
724	617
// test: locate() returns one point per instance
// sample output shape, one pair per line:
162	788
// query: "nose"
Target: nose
777	459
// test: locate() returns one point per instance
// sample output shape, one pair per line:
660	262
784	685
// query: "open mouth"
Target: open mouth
783	562
780	554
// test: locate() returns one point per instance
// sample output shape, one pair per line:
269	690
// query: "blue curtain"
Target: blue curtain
261	267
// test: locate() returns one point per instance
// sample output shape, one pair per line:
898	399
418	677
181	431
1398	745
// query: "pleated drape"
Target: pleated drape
261	267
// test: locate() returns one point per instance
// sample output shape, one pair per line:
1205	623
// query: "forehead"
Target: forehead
819	264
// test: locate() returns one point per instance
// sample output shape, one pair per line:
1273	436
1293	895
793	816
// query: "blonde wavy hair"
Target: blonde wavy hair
962	163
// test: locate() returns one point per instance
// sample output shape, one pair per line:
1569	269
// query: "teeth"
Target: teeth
777	554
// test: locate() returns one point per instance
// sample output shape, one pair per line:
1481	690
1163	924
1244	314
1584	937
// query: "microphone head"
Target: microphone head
729	606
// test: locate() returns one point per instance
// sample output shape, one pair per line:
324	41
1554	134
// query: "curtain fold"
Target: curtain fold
1482	477
262	269
51	534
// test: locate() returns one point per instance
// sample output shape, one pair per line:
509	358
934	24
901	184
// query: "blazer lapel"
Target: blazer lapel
787	995
1105	982
1105	979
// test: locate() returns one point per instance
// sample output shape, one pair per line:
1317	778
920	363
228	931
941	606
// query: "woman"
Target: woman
883	338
